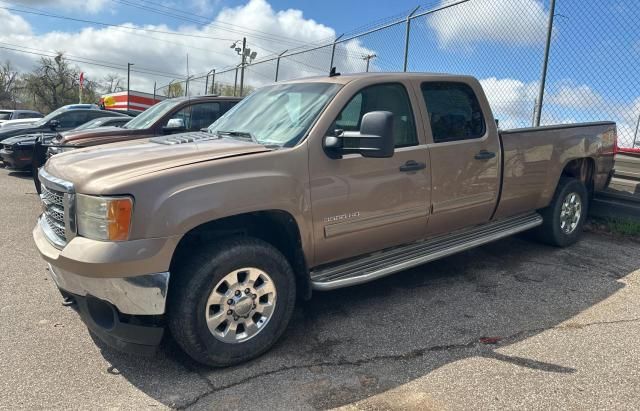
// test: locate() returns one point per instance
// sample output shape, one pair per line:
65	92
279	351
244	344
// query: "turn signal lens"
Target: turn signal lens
104	218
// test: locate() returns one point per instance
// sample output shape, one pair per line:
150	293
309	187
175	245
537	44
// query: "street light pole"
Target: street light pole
128	84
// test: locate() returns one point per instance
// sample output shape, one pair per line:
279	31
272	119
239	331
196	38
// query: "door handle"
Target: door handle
485	155
412	165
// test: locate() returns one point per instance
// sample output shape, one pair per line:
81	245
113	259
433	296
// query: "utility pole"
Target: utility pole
235	83
242	64
545	63
129	84
367	58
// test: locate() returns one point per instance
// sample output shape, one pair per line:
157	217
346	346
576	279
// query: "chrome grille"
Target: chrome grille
58	209
53	213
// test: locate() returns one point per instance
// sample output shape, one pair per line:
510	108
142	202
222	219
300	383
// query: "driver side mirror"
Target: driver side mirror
174	125
54	124
375	138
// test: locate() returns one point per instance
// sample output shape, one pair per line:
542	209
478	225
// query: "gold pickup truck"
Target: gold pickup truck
312	184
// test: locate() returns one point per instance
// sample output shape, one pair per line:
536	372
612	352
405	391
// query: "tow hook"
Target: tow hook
68	301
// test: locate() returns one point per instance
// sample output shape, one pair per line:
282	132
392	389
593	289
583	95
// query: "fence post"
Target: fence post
635	135
333	51
154	92
545	63
213	82
406	39
278	64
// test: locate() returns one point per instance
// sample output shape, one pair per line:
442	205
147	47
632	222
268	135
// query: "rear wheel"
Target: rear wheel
565	215
231	302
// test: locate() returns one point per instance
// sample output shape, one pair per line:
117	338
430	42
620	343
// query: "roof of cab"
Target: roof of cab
347	78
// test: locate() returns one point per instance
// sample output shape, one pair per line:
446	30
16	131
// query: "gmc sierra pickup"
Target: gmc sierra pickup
312	184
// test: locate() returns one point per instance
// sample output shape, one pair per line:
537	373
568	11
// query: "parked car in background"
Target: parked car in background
312	184
175	115
17	152
10	123
9	115
63	119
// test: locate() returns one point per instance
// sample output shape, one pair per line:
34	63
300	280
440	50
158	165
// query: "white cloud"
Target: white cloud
581	96
511	100
265	29
510	22
91	6
14	24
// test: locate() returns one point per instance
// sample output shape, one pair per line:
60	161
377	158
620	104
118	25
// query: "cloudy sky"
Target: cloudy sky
594	70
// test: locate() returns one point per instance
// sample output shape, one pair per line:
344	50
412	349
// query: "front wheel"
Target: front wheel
231	302
565	215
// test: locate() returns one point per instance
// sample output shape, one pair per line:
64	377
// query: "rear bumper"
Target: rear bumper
140	335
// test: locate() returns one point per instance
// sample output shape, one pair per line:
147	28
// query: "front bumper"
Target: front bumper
16	159
139	335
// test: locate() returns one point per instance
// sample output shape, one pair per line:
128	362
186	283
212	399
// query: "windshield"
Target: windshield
276	115
151	115
90	124
44	120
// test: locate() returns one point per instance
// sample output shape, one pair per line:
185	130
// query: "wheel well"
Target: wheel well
583	169
275	227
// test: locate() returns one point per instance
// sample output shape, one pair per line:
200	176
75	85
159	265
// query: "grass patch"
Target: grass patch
616	226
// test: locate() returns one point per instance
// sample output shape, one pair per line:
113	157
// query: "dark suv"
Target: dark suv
63	119
175	115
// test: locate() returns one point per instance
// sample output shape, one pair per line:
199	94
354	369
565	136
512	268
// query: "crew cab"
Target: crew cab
305	185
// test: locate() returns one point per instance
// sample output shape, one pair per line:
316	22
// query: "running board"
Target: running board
389	261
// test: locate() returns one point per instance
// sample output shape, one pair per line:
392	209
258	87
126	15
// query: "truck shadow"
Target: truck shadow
347	345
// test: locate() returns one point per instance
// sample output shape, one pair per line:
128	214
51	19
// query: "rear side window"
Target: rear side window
454	111
382	97
204	114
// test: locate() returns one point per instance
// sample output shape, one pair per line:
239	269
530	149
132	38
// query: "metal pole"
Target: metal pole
545	64
368	57
206	85
407	35
154	92
333	51
635	135
242	63
213	81
278	64
128	84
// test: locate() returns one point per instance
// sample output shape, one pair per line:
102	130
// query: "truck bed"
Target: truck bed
534	158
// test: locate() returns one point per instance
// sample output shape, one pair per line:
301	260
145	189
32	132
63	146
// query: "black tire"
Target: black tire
550	232
196	277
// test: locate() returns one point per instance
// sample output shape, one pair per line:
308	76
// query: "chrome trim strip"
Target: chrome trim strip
140	295
55	183
460	241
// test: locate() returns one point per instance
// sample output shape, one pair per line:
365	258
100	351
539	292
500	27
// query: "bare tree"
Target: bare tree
175	90
8	85
54	83
112	83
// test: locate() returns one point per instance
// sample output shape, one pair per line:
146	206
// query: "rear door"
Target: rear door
464	156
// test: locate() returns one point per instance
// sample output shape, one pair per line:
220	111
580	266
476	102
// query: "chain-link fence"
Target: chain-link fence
593	70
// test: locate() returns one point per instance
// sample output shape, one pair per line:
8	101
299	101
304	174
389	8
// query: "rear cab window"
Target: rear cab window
454	111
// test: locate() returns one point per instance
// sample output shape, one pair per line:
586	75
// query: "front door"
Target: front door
465	157
361	205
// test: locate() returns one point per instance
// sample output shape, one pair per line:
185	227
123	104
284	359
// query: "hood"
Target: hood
114	163
27	138
90	136
16	130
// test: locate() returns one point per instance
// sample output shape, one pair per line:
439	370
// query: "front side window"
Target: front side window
383	97
72	119
203	115
153	114
278	115
454	111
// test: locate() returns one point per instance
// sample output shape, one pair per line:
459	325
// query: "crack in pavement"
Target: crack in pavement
419	352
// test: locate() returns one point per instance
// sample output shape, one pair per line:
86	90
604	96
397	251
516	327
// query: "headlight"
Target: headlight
104	218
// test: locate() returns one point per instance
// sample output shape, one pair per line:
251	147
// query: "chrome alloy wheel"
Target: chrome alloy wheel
570	213
240	305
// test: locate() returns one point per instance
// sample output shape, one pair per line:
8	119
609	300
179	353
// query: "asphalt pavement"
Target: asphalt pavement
513	324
